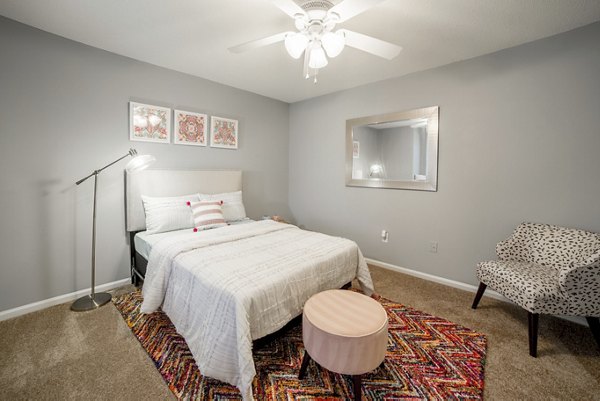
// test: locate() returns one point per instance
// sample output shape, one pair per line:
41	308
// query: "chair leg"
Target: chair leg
357	379
304	366
533	333
479	294
594	323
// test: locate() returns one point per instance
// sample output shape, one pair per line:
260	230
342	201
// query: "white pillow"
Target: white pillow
168	214
207	214
233	207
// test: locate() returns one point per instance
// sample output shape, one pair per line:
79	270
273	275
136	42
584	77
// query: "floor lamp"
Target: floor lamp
96	300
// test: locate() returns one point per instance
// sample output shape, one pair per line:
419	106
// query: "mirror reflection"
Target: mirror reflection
397	150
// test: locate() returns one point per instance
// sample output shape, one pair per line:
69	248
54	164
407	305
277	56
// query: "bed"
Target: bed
225	287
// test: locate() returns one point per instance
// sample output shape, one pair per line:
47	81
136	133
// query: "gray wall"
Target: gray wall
397	145
64	113
369	151
519	141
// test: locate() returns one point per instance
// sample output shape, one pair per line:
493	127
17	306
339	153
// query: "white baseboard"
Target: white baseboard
441	280
457	284
46	303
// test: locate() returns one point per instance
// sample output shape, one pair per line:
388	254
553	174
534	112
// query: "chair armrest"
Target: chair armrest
594	258
580	285
503	249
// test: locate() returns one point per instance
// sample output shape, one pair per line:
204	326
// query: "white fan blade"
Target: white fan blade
255	44
350	8
371	45
289	7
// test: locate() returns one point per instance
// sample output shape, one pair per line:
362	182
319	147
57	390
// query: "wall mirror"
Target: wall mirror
396	150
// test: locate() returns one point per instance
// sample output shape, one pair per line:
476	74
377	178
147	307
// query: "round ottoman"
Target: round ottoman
344	332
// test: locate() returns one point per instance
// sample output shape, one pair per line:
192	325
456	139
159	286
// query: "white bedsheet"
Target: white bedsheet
144	241
223	288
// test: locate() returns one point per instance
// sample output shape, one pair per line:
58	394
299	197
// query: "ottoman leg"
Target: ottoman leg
304	366
357	379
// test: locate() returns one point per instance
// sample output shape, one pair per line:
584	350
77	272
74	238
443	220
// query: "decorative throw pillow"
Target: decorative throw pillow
207	214
168	214
233	207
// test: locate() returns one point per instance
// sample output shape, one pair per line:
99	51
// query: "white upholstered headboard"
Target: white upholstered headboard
173	183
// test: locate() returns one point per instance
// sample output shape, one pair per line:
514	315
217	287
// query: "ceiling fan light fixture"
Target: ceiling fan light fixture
331	20
333	43
300	21
295	44
316	38
317	58
333	16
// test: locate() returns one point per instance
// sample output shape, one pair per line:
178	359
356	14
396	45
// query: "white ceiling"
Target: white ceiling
193	36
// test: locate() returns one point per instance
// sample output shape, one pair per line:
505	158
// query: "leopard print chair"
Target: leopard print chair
547	270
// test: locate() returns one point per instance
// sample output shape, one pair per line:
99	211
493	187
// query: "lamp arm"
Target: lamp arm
108	165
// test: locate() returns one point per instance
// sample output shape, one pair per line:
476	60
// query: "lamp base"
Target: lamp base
88	303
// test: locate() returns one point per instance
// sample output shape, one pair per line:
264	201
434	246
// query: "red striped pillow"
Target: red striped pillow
207	214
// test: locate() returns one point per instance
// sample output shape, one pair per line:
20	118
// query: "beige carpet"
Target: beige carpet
568	362
56	354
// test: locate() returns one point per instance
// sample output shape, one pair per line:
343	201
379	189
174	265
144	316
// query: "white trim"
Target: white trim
458	284
441	280
46	303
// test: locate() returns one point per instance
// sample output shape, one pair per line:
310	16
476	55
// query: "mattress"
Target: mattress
143	241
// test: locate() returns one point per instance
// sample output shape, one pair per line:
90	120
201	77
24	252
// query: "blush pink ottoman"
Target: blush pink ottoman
344	332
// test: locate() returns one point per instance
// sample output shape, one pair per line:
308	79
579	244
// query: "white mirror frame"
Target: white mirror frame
430	184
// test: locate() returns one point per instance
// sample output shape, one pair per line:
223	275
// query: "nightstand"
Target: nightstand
276	218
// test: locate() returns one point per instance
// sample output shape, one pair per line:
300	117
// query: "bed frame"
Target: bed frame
157	182
138	262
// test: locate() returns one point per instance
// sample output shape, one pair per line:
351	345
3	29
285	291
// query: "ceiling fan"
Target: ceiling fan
316	38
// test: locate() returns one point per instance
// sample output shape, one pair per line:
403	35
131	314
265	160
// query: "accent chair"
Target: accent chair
547	269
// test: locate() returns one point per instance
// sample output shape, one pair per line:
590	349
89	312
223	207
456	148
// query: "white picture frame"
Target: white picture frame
190	128
148	123
223	133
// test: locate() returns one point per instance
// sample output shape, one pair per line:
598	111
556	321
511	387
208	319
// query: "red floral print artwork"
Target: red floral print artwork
190	128
224	133
149	123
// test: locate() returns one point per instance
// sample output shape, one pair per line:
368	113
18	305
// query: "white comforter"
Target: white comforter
223	288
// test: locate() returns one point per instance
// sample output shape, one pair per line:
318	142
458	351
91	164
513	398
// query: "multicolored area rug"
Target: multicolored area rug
428	358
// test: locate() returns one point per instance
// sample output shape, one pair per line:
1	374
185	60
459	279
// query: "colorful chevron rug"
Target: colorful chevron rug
428	358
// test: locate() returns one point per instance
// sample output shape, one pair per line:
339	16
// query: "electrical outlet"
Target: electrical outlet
433	247
384	236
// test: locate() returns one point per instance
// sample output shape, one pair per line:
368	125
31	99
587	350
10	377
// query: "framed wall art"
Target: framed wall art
355	149
190	128
223	133
149	123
